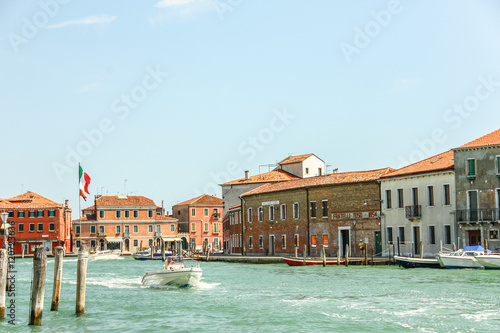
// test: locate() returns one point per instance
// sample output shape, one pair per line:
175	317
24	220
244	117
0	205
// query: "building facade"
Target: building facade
477	177
333	211
36	221
126	223
200	222
418	205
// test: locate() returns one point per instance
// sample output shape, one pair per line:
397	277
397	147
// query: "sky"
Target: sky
168	99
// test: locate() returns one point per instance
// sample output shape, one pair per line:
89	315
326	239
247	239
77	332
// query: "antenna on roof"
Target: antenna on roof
125	187
269	166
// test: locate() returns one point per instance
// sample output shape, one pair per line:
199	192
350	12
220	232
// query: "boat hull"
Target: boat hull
183	277
156	256
489	261
409	262
459	262
104	256
309	261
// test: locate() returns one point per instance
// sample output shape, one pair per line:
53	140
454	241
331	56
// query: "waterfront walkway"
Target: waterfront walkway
251	259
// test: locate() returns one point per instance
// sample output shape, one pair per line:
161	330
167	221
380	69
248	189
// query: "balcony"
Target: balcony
216	215
158	234
477	215
126	234
413	212
101	234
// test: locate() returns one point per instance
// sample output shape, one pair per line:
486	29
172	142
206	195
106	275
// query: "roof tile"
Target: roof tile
443	161
490	139
271	176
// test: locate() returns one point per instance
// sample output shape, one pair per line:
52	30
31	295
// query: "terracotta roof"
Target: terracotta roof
443	161
165	218
236	206
268	177
31	200
84	218
295	159
203	199
331	179
487	140
123	201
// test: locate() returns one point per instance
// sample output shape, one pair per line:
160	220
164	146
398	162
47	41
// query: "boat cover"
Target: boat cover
475	248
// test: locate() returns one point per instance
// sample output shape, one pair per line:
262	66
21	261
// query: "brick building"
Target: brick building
200	222
123	222
37	221
233	231
332	210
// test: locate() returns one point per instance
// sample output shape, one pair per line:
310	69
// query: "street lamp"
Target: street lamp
4	216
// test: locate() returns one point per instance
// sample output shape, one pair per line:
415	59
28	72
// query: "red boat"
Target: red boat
295	261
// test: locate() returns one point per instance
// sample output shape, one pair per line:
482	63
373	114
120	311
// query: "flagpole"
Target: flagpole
79	206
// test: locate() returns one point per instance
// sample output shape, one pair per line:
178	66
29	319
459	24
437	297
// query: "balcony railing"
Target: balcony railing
157	233
126	234
477	215
216	215
413	212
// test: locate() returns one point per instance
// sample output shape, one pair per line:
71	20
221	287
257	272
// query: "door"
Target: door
474	237
416	240
271	245
472	199
378	243
344	241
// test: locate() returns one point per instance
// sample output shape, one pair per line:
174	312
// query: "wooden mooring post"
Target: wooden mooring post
421	250
152	252
486	246
347	255
38	286
81	280
304	255
323	254
3	280
58	267
366	258
162	250
338	257
296	250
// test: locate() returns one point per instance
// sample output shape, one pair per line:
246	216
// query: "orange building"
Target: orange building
35	220
127	223
200	221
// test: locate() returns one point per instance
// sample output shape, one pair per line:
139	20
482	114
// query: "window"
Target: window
150	228
77	243
296	240
430	196
126	229
118	229
432	235
20	214
92	243
283	241
320	171
324	203
172	228
136	229
471	168
216	228
414	196
307	171
20	227
205	227
401	234
136	242
77	228
400	198
389	234
101	229
498	165
52	213
11	214
446	194
193	227
261	242
250	242
313	240
283	211
313	209
325	240
101	214
127	214
296	210
260	214
92	229
158	228
205	212
31	214
150	213
51	227
388	199
447	234
271	213
250	214
493	234
40	227
40	213
193	211
136	214
216	210
150	243
118	214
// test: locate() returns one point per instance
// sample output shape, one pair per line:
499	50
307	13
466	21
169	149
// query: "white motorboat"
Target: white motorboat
174	273
489	261
464	258
104	255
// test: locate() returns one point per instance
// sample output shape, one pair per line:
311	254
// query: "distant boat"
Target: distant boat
104	255
409	262
297	261
464	258
146	255
489	261
174	273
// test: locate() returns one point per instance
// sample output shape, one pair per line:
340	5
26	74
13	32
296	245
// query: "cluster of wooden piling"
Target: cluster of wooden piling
38	282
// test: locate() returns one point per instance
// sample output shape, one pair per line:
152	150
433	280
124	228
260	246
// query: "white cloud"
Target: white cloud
176	3
181	9
97	19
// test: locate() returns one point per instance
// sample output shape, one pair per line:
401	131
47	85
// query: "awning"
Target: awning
38	241
4	225
172	239
114	239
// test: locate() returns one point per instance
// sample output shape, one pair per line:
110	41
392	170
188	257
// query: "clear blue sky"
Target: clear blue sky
175	96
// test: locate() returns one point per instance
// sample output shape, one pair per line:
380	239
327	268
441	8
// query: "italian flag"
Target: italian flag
84	183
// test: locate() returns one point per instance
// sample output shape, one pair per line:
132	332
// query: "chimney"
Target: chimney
66	202
247	176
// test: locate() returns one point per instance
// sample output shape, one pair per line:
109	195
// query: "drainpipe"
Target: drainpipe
308	229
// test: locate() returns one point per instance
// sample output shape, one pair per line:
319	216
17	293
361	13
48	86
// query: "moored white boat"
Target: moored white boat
489	261
104	255
174	273
464	258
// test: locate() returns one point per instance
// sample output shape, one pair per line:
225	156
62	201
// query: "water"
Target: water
267	298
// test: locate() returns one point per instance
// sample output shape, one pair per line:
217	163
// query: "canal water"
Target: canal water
266	298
